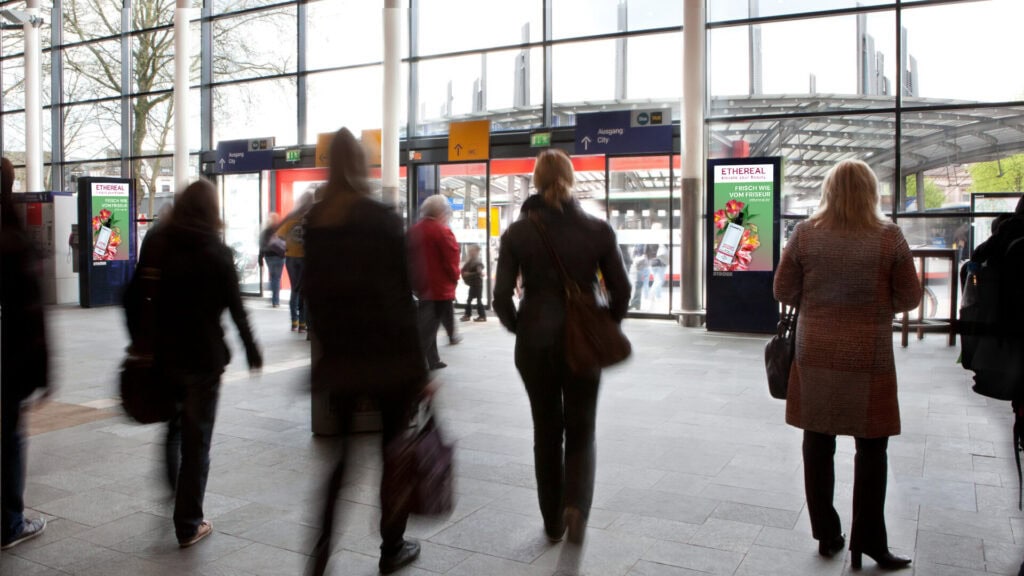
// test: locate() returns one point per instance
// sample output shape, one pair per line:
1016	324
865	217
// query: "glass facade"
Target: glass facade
812	81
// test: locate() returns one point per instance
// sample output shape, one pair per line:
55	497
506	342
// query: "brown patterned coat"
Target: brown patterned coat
848	285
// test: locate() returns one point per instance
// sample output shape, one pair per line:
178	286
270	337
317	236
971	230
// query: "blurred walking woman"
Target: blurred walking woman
197	282
849	268
562	403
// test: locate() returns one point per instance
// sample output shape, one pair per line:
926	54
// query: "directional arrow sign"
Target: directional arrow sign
469	140
251	155
624	132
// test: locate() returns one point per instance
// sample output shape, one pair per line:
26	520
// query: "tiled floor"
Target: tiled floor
697	473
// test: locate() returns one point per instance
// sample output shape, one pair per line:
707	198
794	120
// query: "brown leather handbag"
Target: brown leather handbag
593	339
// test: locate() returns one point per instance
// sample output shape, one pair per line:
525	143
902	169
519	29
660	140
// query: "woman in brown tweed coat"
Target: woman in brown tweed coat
849	269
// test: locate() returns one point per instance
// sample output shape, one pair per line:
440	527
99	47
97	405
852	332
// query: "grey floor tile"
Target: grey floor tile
656	528
694	557
958	551
960	523
131	526
666	505
262	560
497	533
96	507
69	554
1003	558
602	554
756	515
11	565
764	561
726	535
645	568
480	564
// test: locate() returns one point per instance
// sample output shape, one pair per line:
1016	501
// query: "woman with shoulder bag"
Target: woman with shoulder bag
563	402
847	263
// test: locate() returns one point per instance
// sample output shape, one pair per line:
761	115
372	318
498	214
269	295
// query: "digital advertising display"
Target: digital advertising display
743	207
107	238
110	220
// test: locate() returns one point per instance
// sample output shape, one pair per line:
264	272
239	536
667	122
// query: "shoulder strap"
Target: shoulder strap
570	285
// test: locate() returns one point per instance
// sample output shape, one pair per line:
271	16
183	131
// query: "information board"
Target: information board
107	239
743	203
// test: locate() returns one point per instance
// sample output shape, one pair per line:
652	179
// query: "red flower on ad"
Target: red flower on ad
96	223
721	220
732	208
104	214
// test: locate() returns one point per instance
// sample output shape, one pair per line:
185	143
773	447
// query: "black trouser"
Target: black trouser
12	465
434	313
476	292
561	404
189	437
869	480
395	416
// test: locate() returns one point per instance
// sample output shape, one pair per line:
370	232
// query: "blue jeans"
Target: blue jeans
12	463
296	304
189	436
275	266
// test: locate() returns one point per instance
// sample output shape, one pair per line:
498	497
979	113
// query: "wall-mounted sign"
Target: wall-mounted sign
540	140
293	155
252	155
469	140
743	240
323	149
371	140
624	132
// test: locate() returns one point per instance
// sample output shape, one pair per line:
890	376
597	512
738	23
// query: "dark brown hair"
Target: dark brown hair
197	207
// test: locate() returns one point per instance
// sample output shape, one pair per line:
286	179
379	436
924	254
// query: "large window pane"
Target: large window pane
459	25
639	199
958	51
92	131
574	18
153	58
152	13
361	43
508	84
225	6
809	148
92	71
718	10
13	144
153	123
13	83
89	19
852	56
254	44
350	98
575	80
75	170
256	110
947	155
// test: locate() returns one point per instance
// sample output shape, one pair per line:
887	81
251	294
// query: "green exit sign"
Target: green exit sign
540	139
293	155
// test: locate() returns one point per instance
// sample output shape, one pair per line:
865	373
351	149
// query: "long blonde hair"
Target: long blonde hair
553	177
849	198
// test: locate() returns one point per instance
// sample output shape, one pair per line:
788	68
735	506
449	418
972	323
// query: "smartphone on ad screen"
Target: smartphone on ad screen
102	239
729	244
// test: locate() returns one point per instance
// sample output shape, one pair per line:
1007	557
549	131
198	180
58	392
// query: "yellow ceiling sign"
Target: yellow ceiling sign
371	143
469	140
323	149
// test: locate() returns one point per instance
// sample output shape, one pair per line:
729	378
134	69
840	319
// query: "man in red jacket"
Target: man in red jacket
434	258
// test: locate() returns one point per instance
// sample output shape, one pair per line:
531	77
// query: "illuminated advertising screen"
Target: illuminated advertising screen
107	237
743	202
111	217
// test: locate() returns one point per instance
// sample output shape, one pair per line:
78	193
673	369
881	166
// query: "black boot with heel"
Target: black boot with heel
885	560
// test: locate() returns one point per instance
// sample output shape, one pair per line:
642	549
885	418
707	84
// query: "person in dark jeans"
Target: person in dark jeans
24	361
272	253
473	276
365	338
434	261
563	404
197	282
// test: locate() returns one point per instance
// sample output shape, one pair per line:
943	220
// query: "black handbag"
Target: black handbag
421	471
593	339
779	352
147	396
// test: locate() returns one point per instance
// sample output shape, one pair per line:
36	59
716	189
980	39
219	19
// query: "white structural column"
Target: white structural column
33	103
692	131
182	62
392	100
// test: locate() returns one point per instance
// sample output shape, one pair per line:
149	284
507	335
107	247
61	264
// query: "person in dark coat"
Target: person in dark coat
197	282
272	250
434	257
473	276
358	289
562	404
847	262
24	367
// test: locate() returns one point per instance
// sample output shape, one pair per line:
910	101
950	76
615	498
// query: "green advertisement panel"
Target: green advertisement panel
111	216
744	210
743	203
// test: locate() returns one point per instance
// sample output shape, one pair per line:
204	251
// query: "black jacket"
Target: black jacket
24	365
356	284
197	282
585	246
